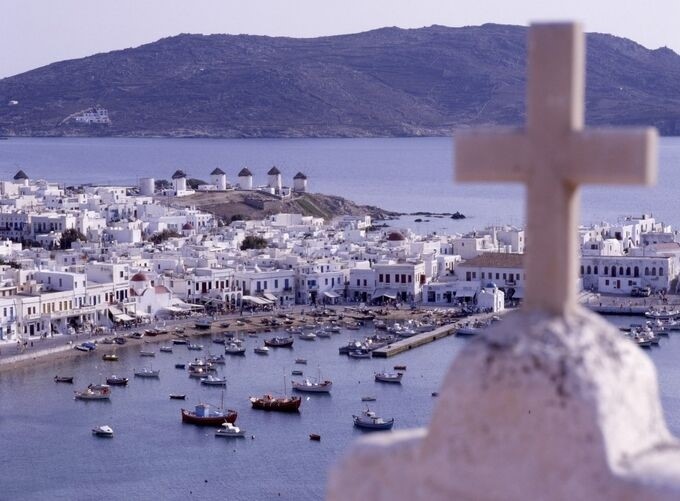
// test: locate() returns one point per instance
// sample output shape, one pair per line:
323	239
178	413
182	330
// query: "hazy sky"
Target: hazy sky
38	32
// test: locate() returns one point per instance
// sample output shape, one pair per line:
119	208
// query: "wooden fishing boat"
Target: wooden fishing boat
277	404
279	342
207	415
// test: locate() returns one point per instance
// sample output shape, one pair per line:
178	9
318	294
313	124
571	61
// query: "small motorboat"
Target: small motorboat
235	349
216	359
370	421
296	372
148	373
302	361
63	379
261	350
368	399
228	430
147	353
137	335
211	380
178	396
399	367
314	436
180	366
117	380
313	386
279	342
359	354
194	347
110	357
180	341
224	325
388	377
307	336
166	349
103	431
219	340
99	392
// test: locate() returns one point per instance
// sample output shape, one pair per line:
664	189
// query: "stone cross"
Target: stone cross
553	155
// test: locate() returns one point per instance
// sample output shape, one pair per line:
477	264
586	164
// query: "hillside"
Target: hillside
386	82
258	205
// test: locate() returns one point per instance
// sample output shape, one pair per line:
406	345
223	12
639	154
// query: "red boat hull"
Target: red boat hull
191	418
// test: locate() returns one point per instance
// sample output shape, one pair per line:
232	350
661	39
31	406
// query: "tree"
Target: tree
162	236
69	236
253	242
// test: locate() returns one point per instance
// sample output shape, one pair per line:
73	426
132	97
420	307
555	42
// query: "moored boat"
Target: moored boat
99	392
229	430
148	373
165	349
313	386
206	415
117	380
144	353
211	380
235	349
110	357
103	431
204	323
261	350
359	354
194	347
178	396
279	342
277	404
63	379
370	421
388	377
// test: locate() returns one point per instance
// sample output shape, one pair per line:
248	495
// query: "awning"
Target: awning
331	295
388	293
115	311
174	309
260	301
141	314
465	293
123	317
269	296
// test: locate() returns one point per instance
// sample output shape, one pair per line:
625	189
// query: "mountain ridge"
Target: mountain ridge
380	83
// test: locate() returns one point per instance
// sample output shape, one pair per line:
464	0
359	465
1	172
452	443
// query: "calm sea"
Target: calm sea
405	174
47	451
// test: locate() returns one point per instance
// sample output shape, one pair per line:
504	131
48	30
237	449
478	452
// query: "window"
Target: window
595	270
365	282
358	282
660	271
588	270
380	278
276	284
410	278
387	277
482	275
606	270
403	279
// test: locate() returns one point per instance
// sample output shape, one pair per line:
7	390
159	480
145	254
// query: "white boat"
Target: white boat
370	421
211	380
261	350
313	386
302	361
146	372
98	392
166	349
147	354
307	336
235	349
103	431
323	333
388	377
228	430
195	347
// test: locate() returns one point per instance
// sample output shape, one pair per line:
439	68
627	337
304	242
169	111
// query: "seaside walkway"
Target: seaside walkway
415	341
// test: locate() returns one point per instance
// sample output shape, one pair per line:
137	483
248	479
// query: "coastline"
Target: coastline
49	350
